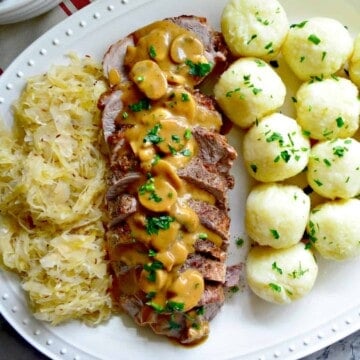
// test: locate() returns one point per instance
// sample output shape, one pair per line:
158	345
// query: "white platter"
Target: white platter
247	327
12	11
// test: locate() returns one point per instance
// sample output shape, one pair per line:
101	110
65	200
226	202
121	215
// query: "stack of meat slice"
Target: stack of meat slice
209	170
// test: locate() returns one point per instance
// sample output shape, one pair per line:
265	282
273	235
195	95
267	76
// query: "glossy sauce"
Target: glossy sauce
160	105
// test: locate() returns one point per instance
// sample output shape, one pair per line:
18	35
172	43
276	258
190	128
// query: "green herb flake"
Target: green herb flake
151	269
323	55
275	287
199	69
152	52
298	273
318	182
294	100
185	97
154	223
253	168
124	115
275	234
152	253
314	39
175	138
327	162
200	310
152	135
239	242
155	160
187	134
203	236
285	156
158	308
275	136
185	152
234	289
299	25
302	58
143	104
254	36
260	63
339	122
173	306
339	150
275	267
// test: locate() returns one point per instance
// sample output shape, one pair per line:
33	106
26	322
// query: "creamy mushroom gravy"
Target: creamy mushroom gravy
166	62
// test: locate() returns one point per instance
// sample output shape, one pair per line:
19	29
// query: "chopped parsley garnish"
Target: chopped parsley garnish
140	79
327	162
124	115
175	138
203	236
294	100
173	325
260	63
147	187
155	160
254	36
155	197
150	295
199	69
143	104
158	308
306	133
275	136
275	287
299	25
285	156
340	122
318	182
339	150
187	134
173	306
323	55
276	268
152	253
253	168
152	135
298	273
234	289
151	269
172	150
185	152
239	242
274	234
152	51
200	310
314	39
302	58
185	97
156	223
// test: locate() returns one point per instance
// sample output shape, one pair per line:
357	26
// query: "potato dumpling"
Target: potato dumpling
254	27
276	214
334	229
354	63
281	275
248	90
319	46
275	149
328	109
334	168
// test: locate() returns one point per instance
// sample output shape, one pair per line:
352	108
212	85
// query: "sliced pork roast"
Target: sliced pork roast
169	178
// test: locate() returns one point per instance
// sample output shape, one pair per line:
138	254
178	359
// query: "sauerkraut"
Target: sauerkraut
52	186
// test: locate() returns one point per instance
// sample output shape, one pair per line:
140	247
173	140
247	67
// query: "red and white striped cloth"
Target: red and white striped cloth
14	38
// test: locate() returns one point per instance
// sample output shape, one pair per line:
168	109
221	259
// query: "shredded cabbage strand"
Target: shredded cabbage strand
52	186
